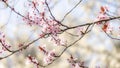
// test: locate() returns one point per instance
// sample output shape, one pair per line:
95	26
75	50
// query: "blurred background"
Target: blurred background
96	49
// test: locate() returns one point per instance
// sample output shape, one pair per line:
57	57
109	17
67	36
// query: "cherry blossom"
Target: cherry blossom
33	60
5	46
49	57
75	63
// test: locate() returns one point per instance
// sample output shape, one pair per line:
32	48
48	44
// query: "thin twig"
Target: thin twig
111	36
53	15
70	10
17	12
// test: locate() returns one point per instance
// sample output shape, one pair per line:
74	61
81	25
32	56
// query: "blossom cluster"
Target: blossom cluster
3	43
49	55
103	15
75	63
48	25
33	60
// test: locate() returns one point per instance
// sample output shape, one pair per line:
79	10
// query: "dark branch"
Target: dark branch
70	10
53	15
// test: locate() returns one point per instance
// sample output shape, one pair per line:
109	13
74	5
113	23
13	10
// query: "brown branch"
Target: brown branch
15	51
6	56
57	57
86	31
17	12
70	10
5	46
90	23
87	24
111	36
24	47
53	15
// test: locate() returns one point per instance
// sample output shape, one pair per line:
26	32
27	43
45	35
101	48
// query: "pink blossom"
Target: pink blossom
5	46
50	57
34	61
75	63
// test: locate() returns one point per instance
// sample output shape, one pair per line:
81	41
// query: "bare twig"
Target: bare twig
111	36
53	15
70	10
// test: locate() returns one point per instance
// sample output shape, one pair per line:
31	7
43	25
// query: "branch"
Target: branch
70	10
90	23
24	47
5	46
57	57
111	36
53	15
17	12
